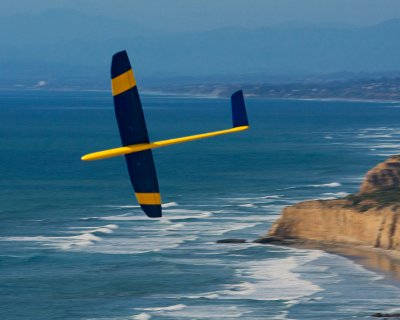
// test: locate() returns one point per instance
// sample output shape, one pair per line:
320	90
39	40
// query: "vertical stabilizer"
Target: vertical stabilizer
239	114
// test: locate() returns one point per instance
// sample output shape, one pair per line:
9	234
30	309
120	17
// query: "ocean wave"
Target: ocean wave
336	194
169	214
169	204
270	280
388	154
254	218
109	228
387	146
63	243
145	240
378	129
275	196
121	217
140	244
169	308
326	185
378	135
87	238
217	229
197	312
247	205
142	316
323	185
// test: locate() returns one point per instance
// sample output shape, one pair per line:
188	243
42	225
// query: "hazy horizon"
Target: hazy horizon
58	40
201	15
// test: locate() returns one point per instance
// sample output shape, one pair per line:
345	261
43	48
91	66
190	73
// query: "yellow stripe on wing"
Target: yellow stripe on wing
148	198
158	144
123	82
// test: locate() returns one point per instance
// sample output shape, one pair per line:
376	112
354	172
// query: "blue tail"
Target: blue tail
239	114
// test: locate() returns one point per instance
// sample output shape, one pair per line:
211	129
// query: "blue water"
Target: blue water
74	244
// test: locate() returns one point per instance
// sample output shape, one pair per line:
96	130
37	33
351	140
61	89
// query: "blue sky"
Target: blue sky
193	15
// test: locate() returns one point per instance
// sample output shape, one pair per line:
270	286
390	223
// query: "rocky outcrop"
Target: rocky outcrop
368	218
385	176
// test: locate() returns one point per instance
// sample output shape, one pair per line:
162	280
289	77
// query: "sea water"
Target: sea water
75	245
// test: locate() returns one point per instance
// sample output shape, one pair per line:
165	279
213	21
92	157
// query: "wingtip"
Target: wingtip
120	63
152	211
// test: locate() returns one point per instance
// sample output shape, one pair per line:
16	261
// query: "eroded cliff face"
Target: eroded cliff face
385	176
371	217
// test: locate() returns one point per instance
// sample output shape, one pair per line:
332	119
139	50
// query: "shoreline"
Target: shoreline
261	97
383	262
201	95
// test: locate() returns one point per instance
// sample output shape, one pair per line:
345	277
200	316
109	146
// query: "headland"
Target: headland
364	226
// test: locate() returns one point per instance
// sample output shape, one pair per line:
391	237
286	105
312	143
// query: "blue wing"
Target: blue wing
132	129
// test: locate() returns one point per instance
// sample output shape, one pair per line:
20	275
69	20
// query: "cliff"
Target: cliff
368	218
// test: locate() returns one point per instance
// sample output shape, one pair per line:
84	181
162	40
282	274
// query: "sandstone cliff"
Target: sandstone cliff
368	218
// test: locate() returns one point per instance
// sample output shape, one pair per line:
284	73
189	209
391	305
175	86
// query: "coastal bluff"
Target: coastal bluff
369	218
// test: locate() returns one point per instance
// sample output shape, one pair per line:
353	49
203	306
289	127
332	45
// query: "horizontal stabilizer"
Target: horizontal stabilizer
239	119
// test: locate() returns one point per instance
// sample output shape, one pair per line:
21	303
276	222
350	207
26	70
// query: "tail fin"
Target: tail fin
239	114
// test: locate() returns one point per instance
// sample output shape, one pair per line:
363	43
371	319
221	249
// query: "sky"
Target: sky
199	15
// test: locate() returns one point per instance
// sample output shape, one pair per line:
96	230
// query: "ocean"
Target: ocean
75	245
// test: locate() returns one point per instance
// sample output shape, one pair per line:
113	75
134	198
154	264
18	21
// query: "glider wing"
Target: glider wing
133	131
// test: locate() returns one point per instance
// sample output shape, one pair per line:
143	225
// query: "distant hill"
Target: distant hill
58	45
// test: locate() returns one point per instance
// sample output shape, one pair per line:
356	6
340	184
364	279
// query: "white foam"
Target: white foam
275	196
388	154
247	205
326	185
217	229
378	135
170	214
272	197
169	308
169	204
175	226
270	279
63	243
336	194
253	218
378	129
386	146
198	312
214	312
106	229
85	239
123	217
142	316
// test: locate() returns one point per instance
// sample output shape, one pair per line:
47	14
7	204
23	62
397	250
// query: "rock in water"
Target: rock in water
386	315
232	241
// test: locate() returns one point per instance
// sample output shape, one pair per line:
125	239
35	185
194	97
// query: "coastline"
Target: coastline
364	226
261	97
383	262
145	92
